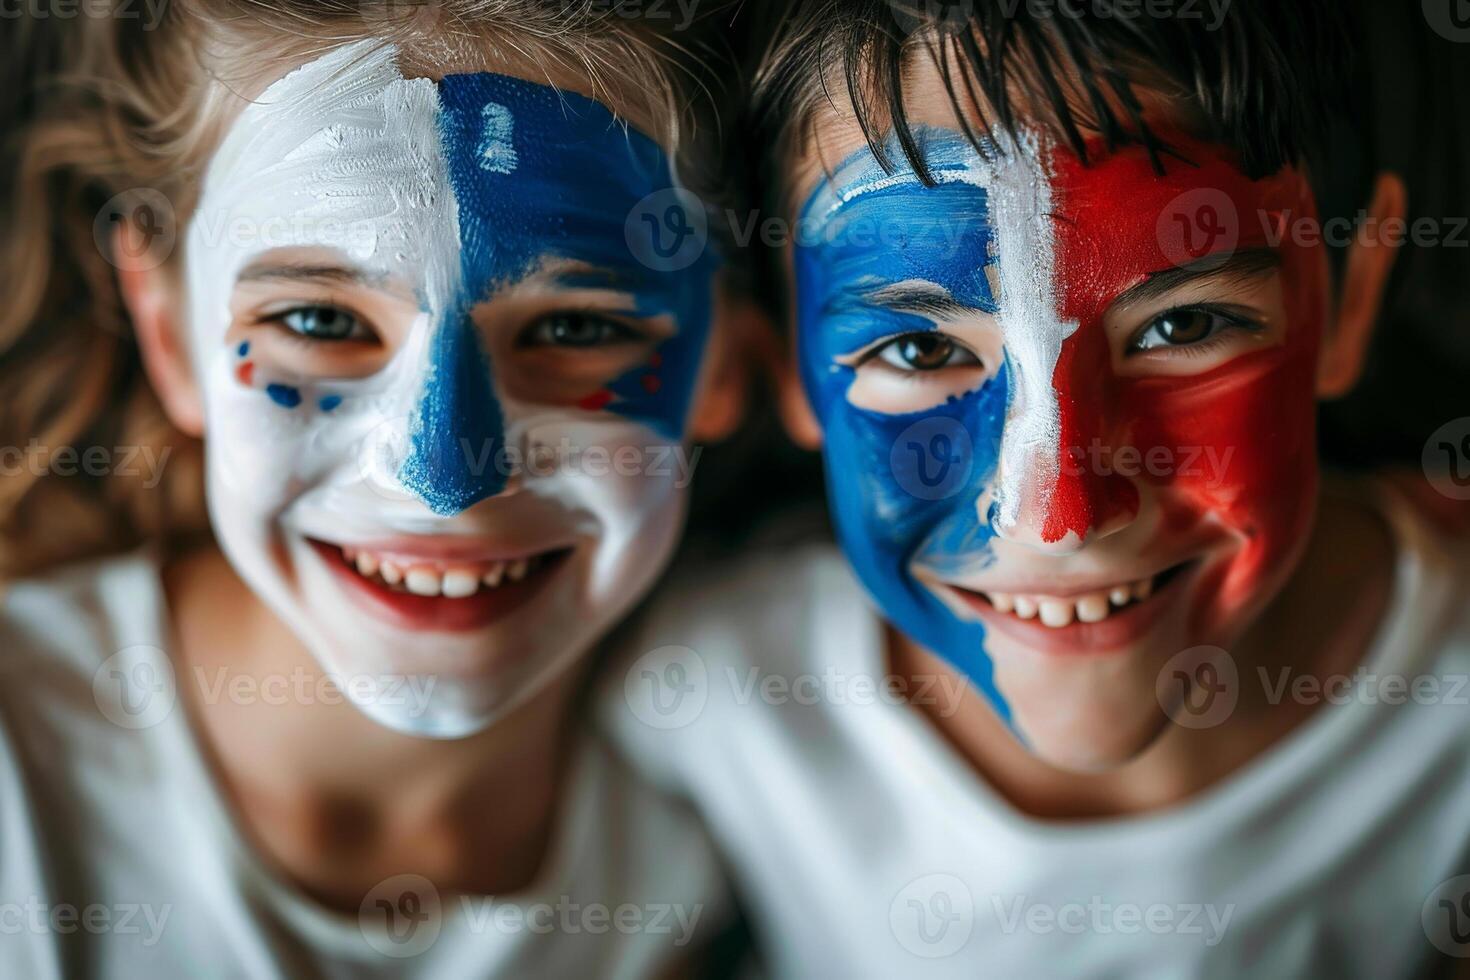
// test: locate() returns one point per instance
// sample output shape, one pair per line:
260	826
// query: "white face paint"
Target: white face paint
335	189
1019	191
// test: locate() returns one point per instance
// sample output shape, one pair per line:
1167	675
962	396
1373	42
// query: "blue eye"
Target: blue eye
324	323
1187	328
579	330
928	351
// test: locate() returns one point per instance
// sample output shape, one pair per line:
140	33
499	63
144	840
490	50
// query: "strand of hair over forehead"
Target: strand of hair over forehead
1266	81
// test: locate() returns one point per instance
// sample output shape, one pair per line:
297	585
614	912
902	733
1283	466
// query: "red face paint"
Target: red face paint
1118	222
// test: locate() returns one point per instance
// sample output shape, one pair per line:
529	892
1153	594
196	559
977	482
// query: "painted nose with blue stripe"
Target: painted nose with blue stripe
458	429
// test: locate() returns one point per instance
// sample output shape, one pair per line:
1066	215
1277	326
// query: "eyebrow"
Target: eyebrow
302	272
926	298
576	274
1244	266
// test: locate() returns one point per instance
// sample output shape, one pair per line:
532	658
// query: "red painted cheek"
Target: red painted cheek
1237	443
1089	494
1242	451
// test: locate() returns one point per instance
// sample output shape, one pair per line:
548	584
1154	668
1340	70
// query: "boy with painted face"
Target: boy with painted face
426	316
1063	372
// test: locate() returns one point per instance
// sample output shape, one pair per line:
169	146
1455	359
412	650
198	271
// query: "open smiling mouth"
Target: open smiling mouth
423	593
1099	619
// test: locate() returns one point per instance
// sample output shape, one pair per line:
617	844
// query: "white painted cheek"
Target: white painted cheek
626	477
342	154
1020	196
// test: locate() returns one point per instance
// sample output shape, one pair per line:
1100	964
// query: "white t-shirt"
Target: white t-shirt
864	846
120	858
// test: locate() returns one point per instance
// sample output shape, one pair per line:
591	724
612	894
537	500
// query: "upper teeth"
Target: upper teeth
451	581
1055	611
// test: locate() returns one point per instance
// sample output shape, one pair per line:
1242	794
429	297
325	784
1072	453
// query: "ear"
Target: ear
151	293
1365	274
796	411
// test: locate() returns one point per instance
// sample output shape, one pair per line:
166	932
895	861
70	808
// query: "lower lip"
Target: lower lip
420	613
1123	626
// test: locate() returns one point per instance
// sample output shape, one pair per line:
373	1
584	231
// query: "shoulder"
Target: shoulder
725	639
80	614
753	608
82	663
623	831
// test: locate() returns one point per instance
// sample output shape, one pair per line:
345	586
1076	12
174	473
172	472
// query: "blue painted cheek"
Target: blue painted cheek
875	465
903	488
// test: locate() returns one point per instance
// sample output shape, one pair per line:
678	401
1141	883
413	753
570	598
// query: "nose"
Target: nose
1057	485
1059	504
455	457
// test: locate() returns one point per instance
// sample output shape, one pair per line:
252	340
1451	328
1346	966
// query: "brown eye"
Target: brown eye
1186	327
575	330
925	352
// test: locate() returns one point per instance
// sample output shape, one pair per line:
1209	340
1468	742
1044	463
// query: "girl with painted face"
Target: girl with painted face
1100	684
427	285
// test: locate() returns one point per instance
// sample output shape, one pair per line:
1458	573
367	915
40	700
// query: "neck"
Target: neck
336	801
1346	566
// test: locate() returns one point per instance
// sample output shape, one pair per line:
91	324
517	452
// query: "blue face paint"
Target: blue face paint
328	402
286	396
902	488
541	175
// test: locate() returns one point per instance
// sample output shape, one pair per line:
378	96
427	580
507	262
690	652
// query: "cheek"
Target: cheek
1234	445
907	487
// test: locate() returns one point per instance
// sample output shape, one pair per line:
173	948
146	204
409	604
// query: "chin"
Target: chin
1089	724
1095	707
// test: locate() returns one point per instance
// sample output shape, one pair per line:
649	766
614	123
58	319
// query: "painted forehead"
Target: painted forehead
1113	222
874	228
363	160
547	173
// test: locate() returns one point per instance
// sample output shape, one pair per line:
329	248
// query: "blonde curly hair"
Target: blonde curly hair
95	109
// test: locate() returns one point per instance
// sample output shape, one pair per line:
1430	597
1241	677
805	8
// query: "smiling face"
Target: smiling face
444	402
1068	411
